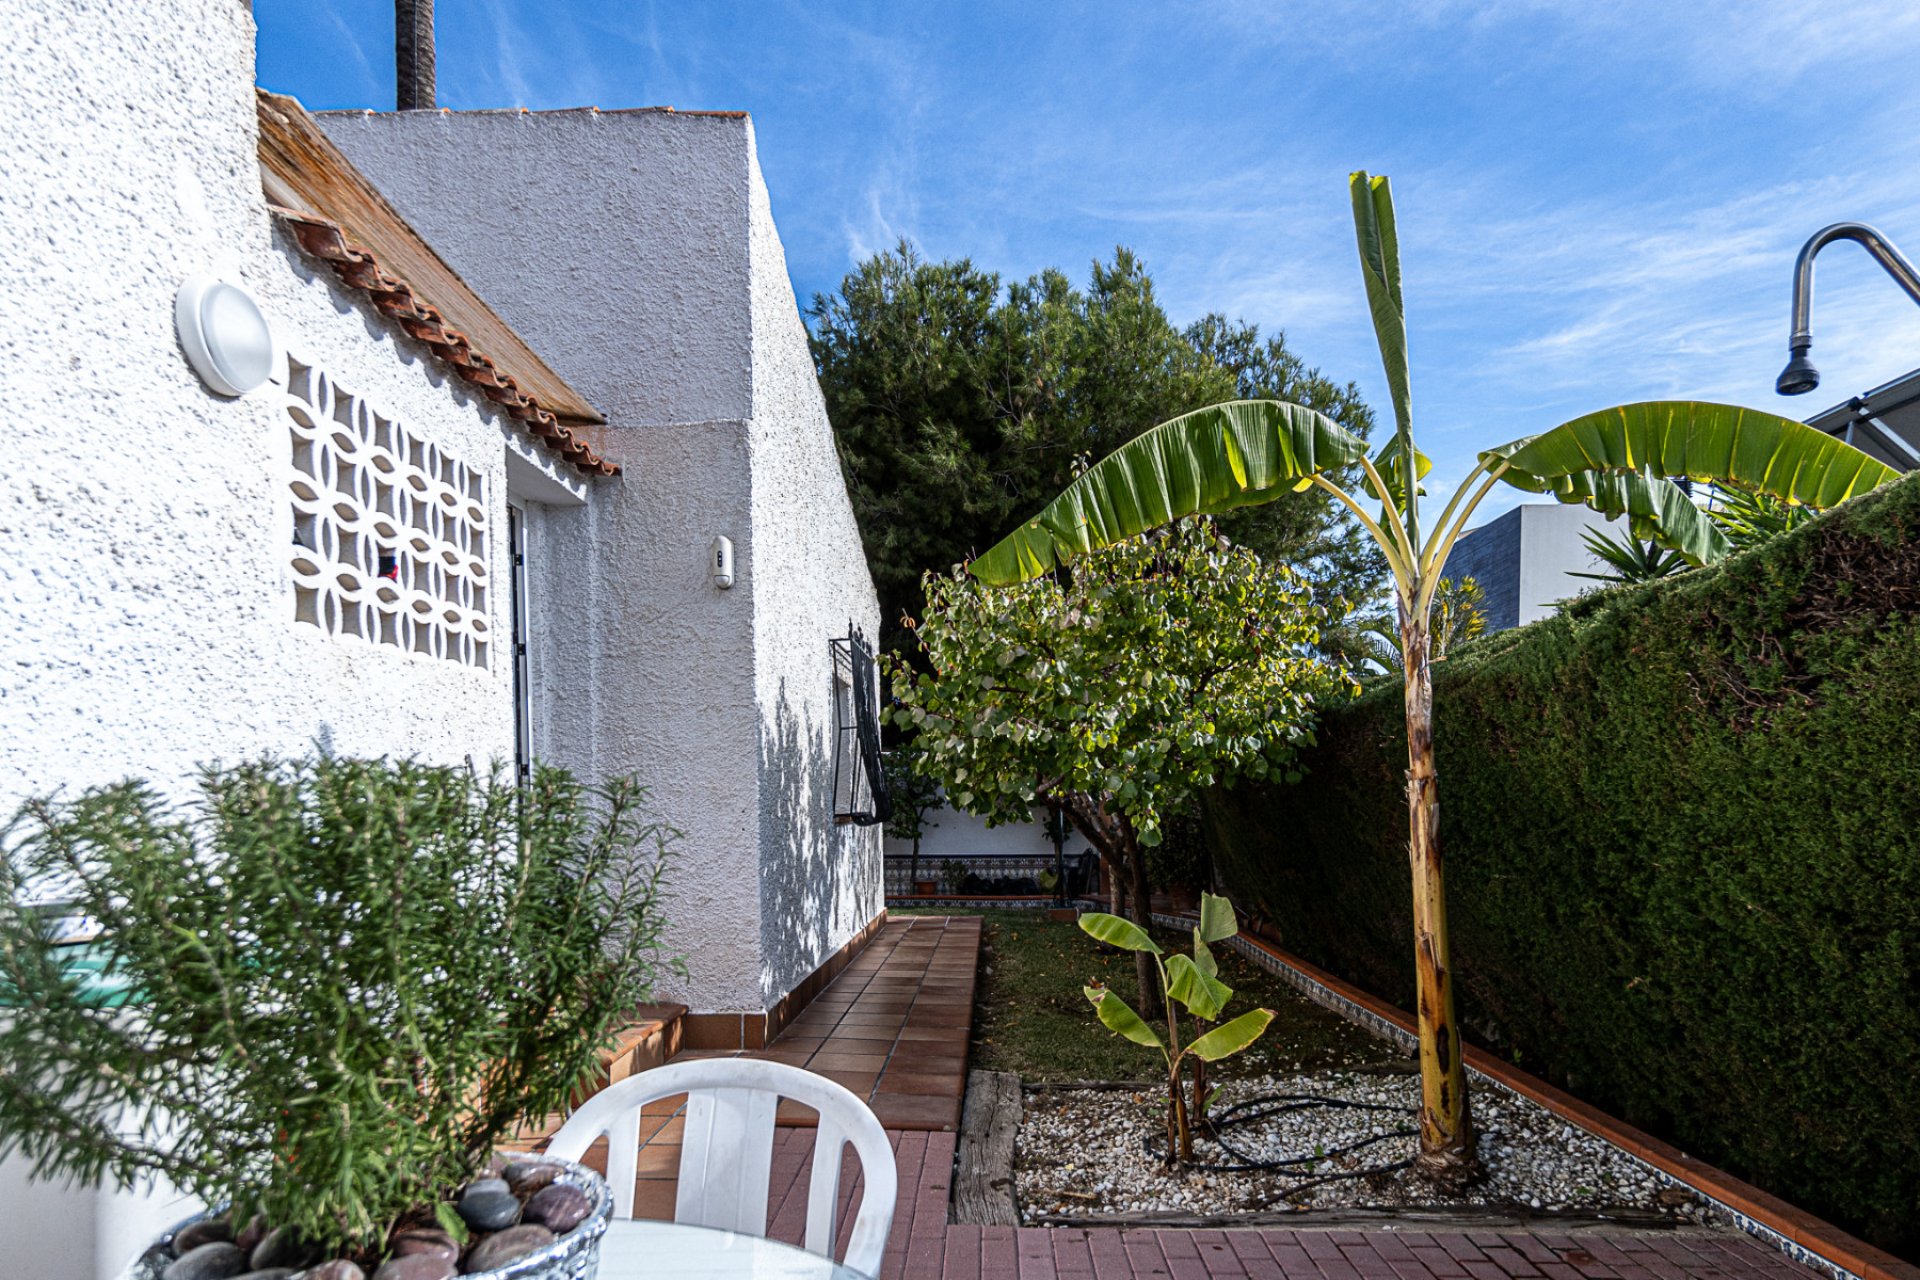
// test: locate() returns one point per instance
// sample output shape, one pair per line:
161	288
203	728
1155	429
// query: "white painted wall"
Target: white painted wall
144	519
819	882
144	523
960	835
1552	549
637	252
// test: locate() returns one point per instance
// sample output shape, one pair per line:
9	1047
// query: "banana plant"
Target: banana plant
1615	461
1188	982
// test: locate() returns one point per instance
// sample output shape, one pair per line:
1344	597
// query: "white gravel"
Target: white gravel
1081	1153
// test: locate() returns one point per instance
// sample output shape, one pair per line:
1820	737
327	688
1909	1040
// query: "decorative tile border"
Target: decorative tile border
1799	1235
942	900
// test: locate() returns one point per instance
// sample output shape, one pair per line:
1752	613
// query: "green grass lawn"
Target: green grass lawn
1030	1017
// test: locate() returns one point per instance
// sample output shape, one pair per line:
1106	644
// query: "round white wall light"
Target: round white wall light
226	337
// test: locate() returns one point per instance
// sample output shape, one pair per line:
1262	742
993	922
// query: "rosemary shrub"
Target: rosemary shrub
346	980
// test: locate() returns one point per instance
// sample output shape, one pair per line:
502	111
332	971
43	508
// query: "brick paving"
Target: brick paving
924	1246
893	1027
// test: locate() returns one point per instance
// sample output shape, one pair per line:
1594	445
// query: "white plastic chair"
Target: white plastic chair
726	1153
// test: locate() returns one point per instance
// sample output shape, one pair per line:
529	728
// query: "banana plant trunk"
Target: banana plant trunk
1446	1127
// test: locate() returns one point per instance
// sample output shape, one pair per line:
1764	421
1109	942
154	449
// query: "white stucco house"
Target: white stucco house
527	372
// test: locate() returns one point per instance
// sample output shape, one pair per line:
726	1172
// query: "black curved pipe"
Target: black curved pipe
1800	377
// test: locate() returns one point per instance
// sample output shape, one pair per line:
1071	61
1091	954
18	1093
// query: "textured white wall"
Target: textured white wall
626	248
144	519
144	525
818	882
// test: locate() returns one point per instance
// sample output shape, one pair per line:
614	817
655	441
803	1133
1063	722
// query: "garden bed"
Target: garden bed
1347	1138
1340	1106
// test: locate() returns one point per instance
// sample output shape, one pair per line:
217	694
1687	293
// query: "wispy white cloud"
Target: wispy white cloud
346	38
1754	46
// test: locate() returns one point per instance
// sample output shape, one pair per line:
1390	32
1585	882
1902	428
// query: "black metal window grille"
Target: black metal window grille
859	782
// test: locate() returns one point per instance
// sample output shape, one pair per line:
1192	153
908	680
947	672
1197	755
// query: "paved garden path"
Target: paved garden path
893	1026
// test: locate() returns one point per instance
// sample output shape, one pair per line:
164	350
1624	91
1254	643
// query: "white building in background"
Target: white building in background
521	384
1525	560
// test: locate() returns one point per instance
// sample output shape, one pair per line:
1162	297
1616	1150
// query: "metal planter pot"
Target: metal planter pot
574	1256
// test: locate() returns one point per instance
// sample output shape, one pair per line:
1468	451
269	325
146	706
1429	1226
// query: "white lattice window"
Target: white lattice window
389	530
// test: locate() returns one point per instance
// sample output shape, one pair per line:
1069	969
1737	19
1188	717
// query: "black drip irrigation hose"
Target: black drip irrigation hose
1254	1110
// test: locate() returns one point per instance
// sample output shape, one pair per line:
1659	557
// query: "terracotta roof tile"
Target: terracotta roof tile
357	267
339	217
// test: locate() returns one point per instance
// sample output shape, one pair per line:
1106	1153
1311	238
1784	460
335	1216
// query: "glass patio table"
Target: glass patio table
642	1249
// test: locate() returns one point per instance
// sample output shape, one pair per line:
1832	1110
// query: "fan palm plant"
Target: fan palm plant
1615	461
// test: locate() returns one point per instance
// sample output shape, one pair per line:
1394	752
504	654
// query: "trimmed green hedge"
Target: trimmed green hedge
1682	829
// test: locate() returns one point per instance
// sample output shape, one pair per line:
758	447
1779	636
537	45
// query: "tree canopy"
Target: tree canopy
1157	668
961	403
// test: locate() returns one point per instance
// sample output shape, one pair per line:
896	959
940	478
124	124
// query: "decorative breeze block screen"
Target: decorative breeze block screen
389	530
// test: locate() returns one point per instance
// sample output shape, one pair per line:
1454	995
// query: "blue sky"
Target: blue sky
1598	202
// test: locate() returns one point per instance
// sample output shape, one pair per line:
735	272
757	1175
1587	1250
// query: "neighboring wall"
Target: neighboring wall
1525	560
146	523
959	835
1682	828
634	250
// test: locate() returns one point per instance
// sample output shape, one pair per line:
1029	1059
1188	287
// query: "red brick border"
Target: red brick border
1815	1235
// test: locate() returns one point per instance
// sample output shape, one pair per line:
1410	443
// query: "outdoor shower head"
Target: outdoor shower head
1799	377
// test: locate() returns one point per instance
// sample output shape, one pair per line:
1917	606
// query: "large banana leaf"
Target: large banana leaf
1723	443
1118	1017
1116	932
1203	994
1230	1038
1203	956
1209	461
1216	918
1655	508
1373	227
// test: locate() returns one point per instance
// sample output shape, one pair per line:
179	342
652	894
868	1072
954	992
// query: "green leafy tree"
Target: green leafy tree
1749	519
959	402
334	984
1158	668
1244	453
1185	982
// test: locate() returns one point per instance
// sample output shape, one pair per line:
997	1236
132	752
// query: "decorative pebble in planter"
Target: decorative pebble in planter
553	1212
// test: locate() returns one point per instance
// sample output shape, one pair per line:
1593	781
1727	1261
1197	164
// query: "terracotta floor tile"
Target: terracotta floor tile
942	1084
828	1061
795	1114
779	1053
654	1199
660	1160
856	1044
859	1083
872	1028
897	1110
